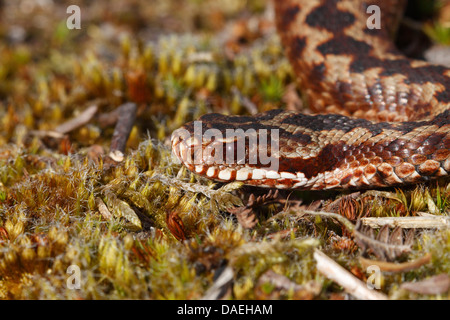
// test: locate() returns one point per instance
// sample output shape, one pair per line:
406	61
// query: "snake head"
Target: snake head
228	148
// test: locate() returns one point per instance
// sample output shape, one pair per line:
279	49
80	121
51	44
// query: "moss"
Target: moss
146	228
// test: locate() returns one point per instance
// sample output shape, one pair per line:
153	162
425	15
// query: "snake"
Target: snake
379	118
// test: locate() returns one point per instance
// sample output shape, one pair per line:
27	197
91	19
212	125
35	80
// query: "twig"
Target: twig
60	131
408	222
402	222
78	121
196	187
333	271
220	286
47	133
125	122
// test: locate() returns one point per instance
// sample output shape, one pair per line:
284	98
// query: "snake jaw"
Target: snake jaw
199	157
182	148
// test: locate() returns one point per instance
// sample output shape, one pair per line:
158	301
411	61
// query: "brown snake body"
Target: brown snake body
382	119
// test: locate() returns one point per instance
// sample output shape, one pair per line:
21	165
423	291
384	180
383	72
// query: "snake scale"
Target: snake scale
380	118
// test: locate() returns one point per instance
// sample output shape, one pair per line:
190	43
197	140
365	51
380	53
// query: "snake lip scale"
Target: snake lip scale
381	119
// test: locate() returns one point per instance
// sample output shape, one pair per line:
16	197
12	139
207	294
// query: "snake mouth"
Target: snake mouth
229	159
210	157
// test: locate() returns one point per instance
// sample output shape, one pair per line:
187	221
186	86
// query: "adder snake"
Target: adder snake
381	119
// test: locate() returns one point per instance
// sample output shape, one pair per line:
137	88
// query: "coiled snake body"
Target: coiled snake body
381	119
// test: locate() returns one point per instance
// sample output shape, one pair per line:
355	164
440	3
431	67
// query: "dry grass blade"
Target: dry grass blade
396	267
332	270
78	121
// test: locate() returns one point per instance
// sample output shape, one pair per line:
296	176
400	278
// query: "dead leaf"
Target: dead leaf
121	209
103	209
435	285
